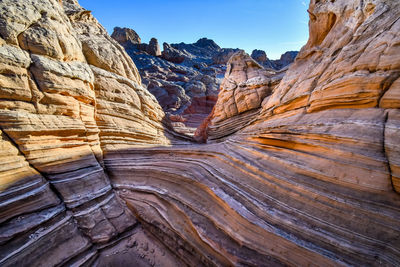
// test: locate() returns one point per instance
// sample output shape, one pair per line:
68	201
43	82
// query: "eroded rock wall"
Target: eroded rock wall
245	86
69	93
299	172
351	61
310	177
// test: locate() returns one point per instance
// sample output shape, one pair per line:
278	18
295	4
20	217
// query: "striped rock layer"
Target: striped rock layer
300	169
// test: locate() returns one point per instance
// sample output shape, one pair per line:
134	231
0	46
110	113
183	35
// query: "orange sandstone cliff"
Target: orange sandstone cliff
300	168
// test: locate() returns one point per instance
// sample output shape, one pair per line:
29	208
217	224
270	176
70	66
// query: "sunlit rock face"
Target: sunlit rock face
244	87
69	93
185	78
351	61
305	176
300	169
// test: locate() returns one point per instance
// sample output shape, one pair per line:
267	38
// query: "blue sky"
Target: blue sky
275	26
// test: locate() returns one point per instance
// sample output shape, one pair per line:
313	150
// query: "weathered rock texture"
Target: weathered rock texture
351	61
309	177
244	87
126	36
286	59
185	78
69	94
306	175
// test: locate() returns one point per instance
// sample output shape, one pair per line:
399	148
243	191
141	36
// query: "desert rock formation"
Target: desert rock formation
286	59
245	86
126	36
69	93
185	78
301	168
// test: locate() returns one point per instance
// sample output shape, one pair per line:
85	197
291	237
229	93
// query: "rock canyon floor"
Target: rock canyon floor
292	167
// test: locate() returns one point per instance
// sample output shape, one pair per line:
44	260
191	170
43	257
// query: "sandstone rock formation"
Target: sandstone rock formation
126	36
154	48
69	93
301	170
185	83
244	87
173	55
259	55
317	182
185	79
286	59
224	55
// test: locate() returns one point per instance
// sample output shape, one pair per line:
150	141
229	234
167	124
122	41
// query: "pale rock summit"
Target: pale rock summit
245	86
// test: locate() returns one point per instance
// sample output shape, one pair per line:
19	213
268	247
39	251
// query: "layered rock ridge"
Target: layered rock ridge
185	78
69	93
299	170
244	87
360	70
309	177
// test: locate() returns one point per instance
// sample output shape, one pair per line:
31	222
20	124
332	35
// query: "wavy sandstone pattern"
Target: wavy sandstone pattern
68	94
300	170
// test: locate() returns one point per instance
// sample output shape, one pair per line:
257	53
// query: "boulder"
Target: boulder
223	56
154	48
259	55
171	54
126	36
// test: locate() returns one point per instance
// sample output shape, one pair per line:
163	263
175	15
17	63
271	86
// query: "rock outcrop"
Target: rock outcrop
245	86
224	55
286	59
301	170
259	55
185	79
173	55
126	36
154	48
310	177
69	94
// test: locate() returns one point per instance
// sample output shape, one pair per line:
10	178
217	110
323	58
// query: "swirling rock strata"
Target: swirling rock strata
69	93
186	78
311	179
305	171
359	70
244	87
